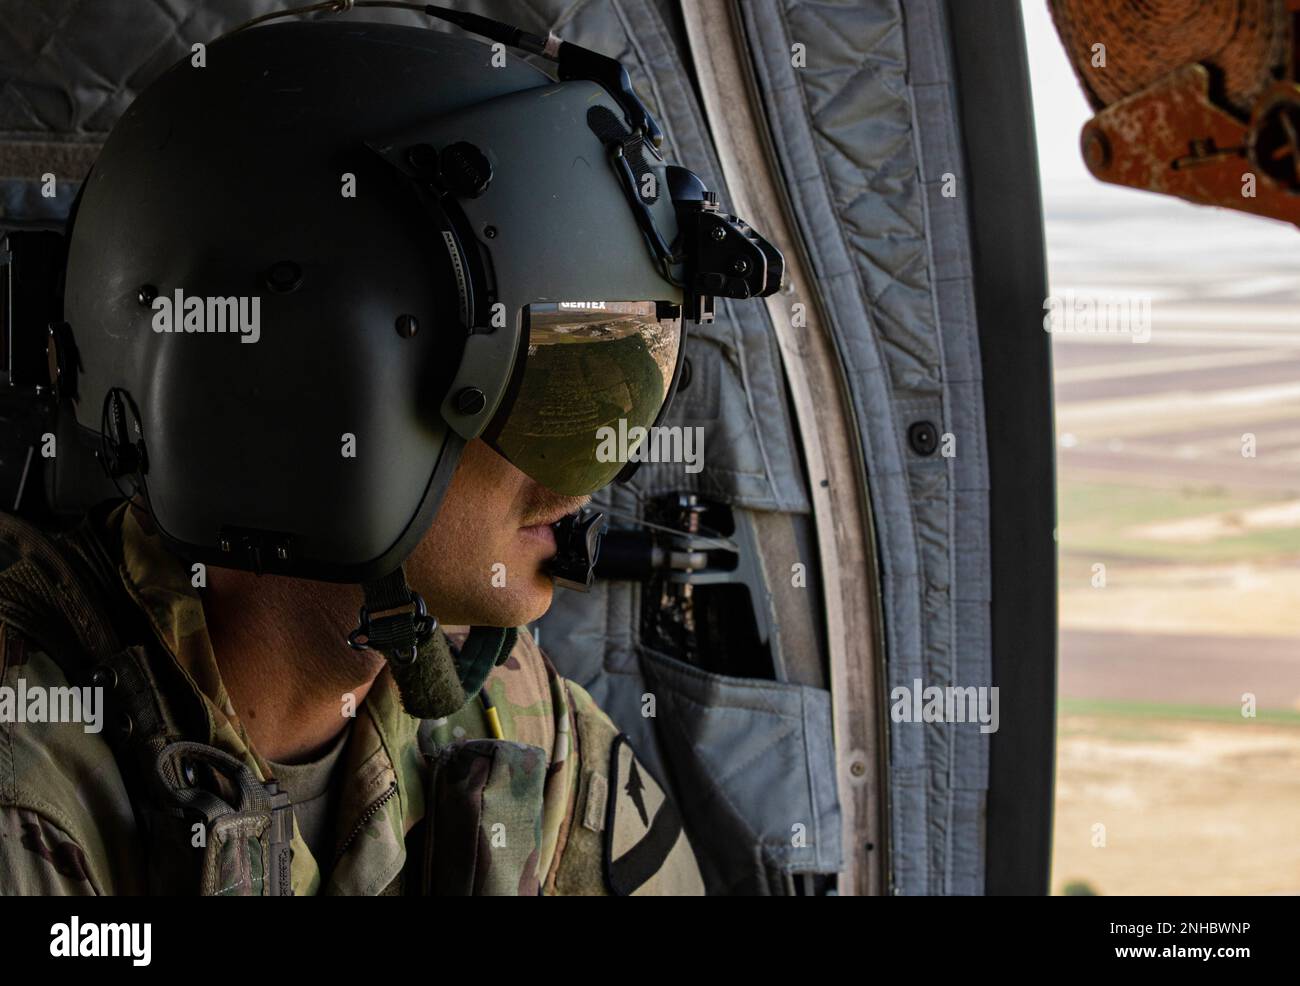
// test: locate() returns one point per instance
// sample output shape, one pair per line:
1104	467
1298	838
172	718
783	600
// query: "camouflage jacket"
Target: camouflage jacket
560	806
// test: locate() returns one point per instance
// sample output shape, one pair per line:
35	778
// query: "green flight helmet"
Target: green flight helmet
304	273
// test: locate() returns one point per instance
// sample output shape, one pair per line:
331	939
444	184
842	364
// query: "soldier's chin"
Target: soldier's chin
521	603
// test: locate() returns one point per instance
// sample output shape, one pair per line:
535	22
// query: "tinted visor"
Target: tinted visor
595	375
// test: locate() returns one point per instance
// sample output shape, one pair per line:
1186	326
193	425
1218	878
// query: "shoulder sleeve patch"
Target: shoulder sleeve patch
646	851
624	836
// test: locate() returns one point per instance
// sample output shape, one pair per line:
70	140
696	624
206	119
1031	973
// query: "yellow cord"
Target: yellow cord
494	720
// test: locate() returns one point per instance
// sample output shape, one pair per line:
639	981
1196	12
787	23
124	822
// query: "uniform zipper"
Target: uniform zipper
369	813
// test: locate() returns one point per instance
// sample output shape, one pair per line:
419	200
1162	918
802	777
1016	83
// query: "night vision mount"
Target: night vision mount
723	255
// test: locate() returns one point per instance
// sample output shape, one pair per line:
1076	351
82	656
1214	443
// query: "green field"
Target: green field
1141	711
1096	519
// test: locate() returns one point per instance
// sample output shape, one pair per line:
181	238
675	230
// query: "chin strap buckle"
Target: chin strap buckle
400	631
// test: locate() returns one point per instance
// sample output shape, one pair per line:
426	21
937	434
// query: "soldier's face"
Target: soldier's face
482	561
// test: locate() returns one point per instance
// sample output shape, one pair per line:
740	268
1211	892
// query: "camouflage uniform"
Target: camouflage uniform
426	806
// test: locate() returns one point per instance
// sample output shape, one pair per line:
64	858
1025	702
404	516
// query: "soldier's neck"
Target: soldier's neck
280	645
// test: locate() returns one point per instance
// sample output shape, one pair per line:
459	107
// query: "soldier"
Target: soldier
413	412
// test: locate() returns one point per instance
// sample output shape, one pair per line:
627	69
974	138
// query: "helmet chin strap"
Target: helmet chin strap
400	632
433	678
